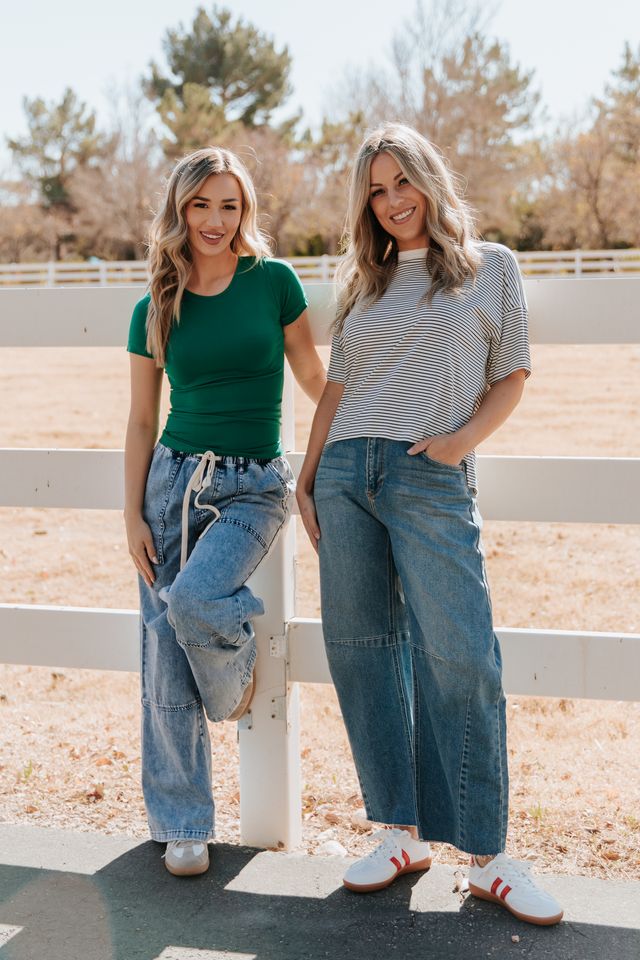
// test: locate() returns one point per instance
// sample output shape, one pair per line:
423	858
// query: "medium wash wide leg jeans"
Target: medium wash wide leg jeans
197	643
410	642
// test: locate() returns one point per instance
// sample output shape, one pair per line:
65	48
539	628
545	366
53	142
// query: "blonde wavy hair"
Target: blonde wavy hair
170	258
371	254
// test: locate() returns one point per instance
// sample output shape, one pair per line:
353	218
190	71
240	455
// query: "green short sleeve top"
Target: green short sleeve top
225	361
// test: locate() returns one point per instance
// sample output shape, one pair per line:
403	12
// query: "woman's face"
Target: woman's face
213	215
399	208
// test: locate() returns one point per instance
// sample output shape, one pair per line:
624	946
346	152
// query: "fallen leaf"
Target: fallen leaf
30	809
611	854
461	882
103	762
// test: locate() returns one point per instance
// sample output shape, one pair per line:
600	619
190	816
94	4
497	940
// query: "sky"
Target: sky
572	46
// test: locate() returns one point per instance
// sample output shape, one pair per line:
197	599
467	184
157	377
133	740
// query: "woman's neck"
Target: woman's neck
207	273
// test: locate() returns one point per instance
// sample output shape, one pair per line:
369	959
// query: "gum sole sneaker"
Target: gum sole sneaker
245	701
509	883
398	853
186	858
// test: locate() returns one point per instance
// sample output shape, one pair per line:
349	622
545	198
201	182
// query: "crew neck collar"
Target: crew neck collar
413	254
212	296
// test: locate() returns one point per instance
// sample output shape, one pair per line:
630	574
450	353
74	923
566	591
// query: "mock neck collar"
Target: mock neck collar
419	254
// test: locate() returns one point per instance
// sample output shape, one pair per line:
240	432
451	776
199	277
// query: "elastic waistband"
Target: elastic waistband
231	461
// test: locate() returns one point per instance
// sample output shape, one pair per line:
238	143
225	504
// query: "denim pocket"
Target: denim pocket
279	468
456	467
163	470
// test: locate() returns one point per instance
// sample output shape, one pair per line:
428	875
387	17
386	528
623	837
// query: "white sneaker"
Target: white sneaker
509	883
398	853
186	858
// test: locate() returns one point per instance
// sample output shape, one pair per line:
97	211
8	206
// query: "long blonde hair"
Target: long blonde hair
170	258
372	254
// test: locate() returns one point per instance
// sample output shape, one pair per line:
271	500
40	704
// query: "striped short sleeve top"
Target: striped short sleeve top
413	369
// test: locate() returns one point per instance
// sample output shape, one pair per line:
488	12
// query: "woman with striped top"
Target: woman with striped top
429	356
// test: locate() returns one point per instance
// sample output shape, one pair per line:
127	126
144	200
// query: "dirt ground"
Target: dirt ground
70	753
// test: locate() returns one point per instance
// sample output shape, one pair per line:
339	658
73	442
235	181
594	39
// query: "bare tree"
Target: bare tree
591	195
460	89
114	201
26	230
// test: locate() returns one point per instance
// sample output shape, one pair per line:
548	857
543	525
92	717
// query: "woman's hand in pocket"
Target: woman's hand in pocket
445	448
141	547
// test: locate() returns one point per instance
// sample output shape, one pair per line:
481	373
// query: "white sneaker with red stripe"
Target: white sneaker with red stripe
509	883
398	853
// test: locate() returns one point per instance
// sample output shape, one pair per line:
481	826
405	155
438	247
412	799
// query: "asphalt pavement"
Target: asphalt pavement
81	896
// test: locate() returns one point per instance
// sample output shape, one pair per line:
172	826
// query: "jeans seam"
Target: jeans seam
166	836
503	814
173	473
462	778
267	546
285	489
402	696
143	647
357	640
415	744
392	593
477	548
170	707
239	618
201	722
245	526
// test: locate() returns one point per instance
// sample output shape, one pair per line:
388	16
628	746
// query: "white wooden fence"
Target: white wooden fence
536	263
538	662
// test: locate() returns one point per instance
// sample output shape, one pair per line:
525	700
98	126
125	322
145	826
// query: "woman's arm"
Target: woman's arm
303	357
322	421
142	431
498	404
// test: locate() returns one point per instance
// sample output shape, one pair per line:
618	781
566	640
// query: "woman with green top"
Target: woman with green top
205	503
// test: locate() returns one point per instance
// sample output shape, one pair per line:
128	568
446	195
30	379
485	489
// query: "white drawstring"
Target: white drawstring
200	479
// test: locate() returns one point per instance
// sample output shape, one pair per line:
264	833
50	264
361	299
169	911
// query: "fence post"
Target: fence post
578	267
269	736
51	273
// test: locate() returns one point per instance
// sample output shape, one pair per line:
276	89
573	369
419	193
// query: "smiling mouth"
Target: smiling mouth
404	215
211	237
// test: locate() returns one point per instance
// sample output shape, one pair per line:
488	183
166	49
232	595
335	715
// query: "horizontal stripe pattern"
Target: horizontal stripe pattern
413	369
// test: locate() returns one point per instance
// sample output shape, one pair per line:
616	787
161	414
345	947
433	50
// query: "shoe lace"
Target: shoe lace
180	844
522	871
386	848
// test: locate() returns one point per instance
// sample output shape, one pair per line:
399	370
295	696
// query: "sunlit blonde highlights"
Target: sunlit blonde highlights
170	258
371	253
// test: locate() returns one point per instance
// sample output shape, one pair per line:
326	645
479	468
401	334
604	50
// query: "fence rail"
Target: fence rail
544	662
535	263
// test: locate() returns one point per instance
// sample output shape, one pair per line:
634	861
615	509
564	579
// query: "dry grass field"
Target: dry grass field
70	753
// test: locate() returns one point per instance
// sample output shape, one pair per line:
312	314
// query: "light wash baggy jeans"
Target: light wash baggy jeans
197	643
410	642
